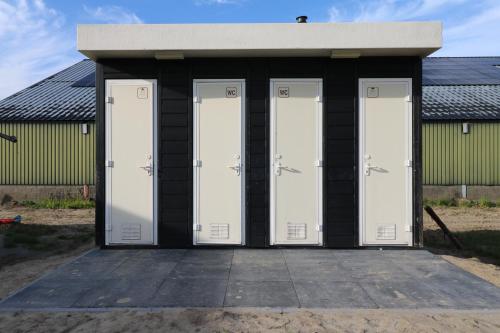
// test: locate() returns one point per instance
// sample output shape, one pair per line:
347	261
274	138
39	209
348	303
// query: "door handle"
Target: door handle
149	166
368	167
148	169
236	167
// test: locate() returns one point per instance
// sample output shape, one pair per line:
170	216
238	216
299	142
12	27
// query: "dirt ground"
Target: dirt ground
463	219
252	320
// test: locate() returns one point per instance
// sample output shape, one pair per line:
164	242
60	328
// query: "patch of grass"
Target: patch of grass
482	203
485	203
441	202
59	204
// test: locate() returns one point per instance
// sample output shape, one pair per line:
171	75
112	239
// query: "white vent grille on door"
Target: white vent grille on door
219	230
386	232
131	231
296	231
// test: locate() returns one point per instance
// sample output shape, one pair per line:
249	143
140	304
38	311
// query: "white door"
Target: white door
296	161
219	159
130	162
385	150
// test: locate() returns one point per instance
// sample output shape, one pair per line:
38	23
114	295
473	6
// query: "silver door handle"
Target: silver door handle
236	167
148	169
149	165
368	167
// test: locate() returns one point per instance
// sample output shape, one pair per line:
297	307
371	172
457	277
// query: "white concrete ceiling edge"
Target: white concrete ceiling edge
336	40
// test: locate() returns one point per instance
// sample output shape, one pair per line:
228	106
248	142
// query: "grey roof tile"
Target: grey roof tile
461	102
54	98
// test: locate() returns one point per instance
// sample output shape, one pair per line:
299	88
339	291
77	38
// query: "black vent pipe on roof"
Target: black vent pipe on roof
301	19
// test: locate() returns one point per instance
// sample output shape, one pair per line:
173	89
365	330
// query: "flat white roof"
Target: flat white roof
259	40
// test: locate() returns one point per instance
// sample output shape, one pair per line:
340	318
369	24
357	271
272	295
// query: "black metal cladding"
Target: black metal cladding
340	85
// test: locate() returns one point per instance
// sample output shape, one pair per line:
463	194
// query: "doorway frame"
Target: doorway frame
196	174
409	156
319	154
108	170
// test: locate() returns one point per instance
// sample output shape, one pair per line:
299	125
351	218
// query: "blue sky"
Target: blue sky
37	37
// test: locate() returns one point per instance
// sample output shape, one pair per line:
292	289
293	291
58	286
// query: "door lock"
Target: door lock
149	165
277	168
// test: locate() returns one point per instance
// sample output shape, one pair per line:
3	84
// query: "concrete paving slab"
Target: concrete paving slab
259	272
138	268
376	270
47	294
85	269
190	293
310	256
332	294
318	271
261	294
208	256
201	271
466	292
404	295
120	293
163	254
258	256
247	277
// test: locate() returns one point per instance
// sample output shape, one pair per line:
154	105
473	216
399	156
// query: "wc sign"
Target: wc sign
283	92
231	92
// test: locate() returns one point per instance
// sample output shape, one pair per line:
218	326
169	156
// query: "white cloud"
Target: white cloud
388	10
470	27
34	44
475	36
112	14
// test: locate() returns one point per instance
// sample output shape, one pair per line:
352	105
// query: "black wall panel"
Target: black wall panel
340	84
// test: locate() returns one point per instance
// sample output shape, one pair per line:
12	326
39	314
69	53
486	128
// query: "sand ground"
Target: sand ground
252	320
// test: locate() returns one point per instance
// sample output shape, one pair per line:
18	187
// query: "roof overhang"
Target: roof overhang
177	41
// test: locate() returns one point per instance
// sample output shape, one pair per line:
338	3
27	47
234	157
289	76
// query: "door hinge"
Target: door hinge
197	163
108	227
110	164
408	228
409	99
408	163
318	163
319	228
197	227
196	99
110	100
319	99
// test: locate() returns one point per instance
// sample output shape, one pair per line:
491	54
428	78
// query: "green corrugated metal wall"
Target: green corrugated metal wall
47	153
451	157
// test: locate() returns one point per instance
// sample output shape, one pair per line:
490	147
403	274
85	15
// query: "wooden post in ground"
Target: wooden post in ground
443	227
